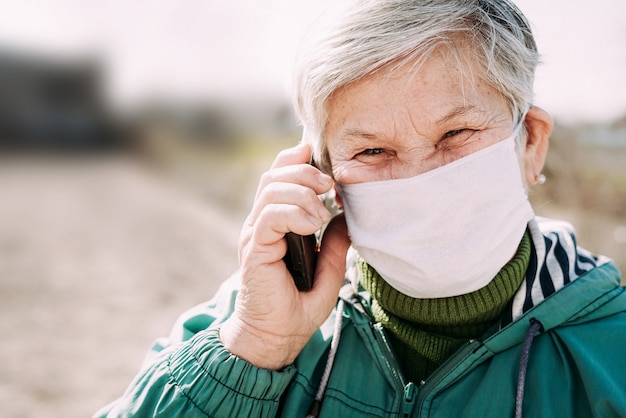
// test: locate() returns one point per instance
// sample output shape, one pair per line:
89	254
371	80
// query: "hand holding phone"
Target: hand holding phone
272	320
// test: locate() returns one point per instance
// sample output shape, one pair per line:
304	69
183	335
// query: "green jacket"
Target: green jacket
576	366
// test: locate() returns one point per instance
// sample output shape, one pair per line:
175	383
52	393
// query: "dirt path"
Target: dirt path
97	258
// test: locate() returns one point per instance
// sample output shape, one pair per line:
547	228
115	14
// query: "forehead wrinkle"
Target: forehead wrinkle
370	131
459	111
356	133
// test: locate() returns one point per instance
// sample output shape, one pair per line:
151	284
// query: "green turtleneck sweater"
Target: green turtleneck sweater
425	332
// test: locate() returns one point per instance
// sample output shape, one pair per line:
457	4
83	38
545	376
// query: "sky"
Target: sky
194	49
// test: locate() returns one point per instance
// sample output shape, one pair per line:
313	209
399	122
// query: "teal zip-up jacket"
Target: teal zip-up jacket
576	363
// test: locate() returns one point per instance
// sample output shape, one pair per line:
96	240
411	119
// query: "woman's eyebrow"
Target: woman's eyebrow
459	111
349	138
357	133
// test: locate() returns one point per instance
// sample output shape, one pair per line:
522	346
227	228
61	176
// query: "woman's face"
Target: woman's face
396	124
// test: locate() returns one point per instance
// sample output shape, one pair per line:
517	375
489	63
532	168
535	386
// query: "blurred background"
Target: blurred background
132	136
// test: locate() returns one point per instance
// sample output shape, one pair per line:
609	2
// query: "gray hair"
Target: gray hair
365	35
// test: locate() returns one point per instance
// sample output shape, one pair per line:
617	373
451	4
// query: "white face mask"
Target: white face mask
446	232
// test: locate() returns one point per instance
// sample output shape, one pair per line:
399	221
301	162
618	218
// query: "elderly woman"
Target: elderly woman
455	300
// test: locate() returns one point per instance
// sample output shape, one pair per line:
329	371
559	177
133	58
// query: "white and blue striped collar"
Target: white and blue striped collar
555	261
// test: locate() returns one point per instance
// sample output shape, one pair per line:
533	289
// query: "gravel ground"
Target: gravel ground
98	256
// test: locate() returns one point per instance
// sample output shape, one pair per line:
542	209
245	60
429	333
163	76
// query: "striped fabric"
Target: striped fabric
555	261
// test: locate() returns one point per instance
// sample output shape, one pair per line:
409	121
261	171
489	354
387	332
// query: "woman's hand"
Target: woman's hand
272	320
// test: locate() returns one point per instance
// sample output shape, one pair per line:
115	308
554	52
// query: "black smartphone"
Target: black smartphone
301	258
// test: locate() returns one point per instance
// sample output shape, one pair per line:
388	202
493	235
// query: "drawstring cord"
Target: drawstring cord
315	408
535	327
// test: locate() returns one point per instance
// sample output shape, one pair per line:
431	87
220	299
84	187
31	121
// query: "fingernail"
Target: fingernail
323	179
324	214
316	221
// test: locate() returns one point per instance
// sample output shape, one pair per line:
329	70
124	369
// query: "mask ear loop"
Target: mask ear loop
518	127
520	121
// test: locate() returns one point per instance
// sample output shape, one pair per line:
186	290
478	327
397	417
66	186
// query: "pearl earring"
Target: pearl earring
540	178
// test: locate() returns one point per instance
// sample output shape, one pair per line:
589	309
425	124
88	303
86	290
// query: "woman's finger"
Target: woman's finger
302	174
288	194
277	219
299	154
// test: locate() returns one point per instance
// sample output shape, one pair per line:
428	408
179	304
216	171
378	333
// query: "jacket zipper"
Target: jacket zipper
409	390
410	395
385	355
434	382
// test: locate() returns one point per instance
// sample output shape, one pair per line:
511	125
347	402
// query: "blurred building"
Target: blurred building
53	104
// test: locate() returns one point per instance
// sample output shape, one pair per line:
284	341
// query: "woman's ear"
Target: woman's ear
538	125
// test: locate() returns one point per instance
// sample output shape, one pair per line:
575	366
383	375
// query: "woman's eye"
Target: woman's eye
455	138
453	133
371	151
